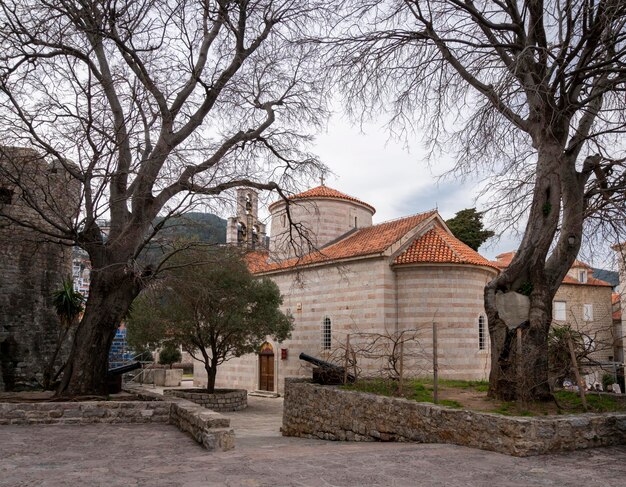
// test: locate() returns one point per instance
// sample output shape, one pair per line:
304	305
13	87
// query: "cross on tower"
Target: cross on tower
322	179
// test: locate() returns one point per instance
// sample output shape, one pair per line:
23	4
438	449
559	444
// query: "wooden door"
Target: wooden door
266	372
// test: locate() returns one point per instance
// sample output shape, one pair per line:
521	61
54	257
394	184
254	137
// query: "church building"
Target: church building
340	274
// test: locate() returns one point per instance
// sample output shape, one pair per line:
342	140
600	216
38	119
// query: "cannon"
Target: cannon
114	376
326	373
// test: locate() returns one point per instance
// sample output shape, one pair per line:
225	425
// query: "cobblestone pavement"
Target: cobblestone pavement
160	455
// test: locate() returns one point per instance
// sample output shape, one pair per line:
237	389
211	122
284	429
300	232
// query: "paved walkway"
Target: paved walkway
160	455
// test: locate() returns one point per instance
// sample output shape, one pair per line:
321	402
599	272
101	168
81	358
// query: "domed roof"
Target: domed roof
324	192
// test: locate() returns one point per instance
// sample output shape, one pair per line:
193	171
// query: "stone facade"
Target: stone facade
32	265
326	412
598	327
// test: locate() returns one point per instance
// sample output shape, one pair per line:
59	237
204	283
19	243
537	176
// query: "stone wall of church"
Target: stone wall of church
32	265
360	297
355	297
452	297
321	220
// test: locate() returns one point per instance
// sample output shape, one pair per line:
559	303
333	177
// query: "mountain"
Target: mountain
203	227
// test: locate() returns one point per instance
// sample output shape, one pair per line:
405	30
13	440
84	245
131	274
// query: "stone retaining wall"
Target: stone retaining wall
210	429
85	412
224	400
330	413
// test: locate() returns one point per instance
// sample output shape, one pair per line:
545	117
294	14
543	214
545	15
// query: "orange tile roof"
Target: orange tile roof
591	281
615	298
325	192
366	241
438	246
504	260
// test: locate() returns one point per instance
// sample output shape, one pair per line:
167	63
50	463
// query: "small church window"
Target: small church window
326	333
482	335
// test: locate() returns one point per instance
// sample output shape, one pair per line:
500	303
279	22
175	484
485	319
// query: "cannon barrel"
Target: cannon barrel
326	372
318	362
123	369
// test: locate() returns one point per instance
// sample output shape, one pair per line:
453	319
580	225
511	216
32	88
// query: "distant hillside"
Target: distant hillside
204	227
611	277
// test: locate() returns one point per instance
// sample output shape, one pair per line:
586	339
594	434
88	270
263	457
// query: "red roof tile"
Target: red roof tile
438	246
325	192
366	241
504	260
615	298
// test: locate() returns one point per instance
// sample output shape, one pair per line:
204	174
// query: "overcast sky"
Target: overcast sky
398	181
394	179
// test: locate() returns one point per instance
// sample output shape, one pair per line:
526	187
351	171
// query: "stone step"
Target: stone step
263	394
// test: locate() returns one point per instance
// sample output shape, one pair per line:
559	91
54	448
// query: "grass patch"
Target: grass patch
415	390
472	395
570	402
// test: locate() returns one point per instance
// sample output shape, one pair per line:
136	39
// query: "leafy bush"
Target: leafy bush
170	354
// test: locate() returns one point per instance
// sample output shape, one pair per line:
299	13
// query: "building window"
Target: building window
588	312
482	333
559	312
326	333
582	276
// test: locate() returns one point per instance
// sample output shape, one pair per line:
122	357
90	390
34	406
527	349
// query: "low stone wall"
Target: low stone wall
85	412
223	400
330	413
210	429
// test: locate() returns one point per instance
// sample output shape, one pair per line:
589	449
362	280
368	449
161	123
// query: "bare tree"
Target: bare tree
529	90
159	104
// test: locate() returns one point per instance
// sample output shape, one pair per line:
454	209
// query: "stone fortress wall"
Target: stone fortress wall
32	265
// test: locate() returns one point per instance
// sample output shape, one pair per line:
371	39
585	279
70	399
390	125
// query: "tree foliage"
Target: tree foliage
211	305
467	226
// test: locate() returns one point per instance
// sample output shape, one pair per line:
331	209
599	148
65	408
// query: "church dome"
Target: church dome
324	192
320	216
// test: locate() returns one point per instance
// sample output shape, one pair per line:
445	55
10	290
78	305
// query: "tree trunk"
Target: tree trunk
110	296
533	274
211	372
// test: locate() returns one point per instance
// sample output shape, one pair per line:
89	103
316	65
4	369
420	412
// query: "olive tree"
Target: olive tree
152	106
530	92
211	305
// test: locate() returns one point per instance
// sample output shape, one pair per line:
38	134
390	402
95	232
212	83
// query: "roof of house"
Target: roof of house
438	246
504	260
324	192
378	238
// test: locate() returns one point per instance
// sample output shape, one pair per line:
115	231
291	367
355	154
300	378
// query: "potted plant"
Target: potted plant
168	377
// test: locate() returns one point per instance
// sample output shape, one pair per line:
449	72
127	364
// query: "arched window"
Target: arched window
326	333
482	333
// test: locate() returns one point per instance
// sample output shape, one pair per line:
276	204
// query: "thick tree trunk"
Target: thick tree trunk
525	376
110	296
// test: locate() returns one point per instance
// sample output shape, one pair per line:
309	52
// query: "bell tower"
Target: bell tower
245	228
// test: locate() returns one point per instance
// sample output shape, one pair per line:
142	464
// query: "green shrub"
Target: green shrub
170	354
